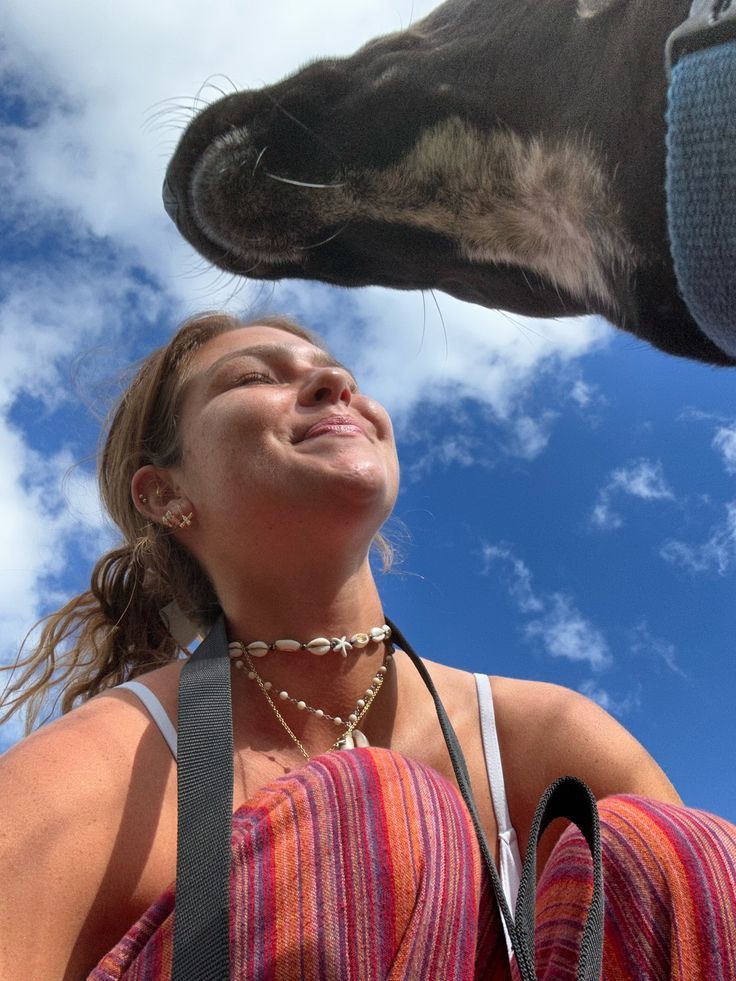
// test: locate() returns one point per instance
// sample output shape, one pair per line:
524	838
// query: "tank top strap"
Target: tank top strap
508	848
155	710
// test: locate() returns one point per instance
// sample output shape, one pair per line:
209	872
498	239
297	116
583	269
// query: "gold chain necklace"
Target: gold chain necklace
346	740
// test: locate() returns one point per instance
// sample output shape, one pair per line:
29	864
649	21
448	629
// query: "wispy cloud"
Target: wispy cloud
564	632
725	442
518	580
644	643
616	705
643	479
557	625
716	554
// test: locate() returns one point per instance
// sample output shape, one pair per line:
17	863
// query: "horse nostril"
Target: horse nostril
171	202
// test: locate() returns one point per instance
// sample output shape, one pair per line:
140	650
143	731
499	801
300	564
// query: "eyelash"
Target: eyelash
254	376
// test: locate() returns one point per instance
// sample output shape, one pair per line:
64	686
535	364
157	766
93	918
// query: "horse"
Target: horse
510	153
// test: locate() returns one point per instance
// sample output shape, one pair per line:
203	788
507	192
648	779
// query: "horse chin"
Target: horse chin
487	152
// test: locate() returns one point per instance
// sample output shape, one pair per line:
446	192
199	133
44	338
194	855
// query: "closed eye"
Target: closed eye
255	377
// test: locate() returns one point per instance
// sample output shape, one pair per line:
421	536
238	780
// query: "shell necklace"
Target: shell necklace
352	736
320	645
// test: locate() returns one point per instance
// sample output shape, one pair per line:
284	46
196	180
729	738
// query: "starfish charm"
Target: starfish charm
341	644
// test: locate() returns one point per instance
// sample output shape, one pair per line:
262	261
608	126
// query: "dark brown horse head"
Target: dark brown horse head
508	152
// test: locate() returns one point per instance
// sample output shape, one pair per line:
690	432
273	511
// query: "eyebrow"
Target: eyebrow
279	352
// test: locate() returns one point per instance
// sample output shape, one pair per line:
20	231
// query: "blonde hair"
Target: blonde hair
115	630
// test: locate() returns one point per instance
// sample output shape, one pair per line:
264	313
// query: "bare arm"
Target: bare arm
547	732
61	808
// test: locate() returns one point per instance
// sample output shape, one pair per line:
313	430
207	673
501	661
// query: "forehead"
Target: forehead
239	341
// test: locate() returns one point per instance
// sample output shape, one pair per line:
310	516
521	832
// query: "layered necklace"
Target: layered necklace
242	656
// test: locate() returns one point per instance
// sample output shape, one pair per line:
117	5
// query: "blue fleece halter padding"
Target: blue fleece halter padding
701	188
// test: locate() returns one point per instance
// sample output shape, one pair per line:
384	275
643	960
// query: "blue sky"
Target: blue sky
568	505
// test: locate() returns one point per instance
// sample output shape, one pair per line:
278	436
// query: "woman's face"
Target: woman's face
274	430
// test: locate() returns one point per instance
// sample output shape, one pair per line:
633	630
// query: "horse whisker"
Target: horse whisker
288	180
258	160
316	245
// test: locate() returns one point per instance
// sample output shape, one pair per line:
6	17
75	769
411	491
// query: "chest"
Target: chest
416	734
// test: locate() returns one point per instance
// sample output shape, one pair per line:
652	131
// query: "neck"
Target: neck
320	604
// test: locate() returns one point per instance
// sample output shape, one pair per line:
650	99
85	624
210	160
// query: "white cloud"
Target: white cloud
519	579
645	644
531	436
558	626
50	506
39	530
716	554
618	706
725	442
582	393
642	479
460	450
564	632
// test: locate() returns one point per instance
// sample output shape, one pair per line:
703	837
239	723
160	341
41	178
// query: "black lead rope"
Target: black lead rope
204	769
568	798
205	786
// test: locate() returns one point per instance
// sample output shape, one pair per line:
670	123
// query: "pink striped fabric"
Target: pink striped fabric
670	895
363	866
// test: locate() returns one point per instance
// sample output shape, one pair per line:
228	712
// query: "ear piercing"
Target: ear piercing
143	499
169	520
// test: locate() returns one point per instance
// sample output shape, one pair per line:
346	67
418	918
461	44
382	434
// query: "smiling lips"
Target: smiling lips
336	425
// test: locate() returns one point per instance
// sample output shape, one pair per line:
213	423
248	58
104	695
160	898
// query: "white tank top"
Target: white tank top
509	859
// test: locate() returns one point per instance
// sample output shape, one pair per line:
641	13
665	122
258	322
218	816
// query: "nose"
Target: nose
328	385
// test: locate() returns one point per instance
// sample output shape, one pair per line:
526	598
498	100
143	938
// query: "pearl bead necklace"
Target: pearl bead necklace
361	707
242	654
319	645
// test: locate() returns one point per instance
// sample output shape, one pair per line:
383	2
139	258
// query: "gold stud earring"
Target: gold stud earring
168	520
186	520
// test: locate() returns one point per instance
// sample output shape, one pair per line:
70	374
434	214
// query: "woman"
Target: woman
249	474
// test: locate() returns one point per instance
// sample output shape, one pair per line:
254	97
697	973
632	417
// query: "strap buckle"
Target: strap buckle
711	22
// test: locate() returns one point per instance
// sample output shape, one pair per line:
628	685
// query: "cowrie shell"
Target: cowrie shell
257	649
320	645
359	640
287	645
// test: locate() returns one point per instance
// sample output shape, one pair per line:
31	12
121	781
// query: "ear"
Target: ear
156	498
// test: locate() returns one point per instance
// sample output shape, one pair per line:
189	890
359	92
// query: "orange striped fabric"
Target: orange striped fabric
670	895
361	866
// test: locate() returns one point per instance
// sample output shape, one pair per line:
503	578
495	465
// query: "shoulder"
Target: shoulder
556	731
546	731
72	794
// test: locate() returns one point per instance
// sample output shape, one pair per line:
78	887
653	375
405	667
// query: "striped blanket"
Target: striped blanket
363	866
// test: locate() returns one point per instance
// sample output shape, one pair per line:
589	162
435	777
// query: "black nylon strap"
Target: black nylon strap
567	797
205	797
205	783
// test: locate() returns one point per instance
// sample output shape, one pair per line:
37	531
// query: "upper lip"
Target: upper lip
332	420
